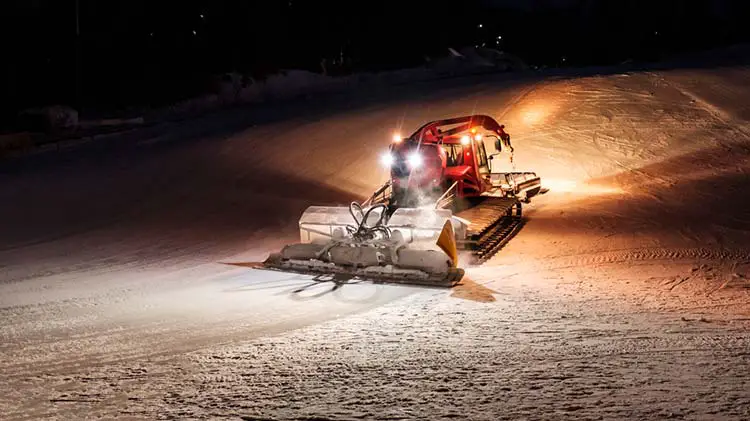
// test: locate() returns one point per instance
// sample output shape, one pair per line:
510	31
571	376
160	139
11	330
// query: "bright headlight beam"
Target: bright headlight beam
386	159
415	160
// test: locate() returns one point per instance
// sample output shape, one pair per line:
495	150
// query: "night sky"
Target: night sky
139	52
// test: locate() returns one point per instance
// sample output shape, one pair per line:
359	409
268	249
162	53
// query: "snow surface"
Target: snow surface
125	291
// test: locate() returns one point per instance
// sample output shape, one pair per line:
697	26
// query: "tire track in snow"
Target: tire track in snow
645	255
719	114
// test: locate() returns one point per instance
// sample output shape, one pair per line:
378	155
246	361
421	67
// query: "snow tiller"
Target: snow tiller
444	197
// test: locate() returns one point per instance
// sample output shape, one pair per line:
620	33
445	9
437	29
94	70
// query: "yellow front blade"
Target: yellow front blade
447	242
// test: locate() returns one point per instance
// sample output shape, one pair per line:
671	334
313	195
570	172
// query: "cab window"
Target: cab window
454	155
482	157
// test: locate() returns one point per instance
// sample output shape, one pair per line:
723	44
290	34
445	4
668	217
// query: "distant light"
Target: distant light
151	34
397	138
465	140
202	17
478	137
480	25
499	37
194	33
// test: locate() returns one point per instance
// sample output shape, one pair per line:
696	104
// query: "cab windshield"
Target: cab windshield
454	154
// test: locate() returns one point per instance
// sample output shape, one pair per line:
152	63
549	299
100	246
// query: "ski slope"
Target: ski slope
125	291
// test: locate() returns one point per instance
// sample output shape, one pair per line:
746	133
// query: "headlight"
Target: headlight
415	160
387	159
465	140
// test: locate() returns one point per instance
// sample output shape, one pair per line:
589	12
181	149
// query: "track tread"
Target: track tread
492	225
484	216
490	244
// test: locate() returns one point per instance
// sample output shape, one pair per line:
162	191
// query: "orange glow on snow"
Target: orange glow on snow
559	185
533	116
538	111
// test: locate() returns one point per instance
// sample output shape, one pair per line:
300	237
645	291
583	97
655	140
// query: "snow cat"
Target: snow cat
442	200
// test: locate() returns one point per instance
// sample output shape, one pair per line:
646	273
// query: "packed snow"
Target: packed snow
125	287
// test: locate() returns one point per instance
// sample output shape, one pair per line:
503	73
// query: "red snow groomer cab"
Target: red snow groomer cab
448	159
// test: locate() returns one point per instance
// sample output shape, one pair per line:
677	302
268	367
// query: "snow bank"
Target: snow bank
294	83
236	89
470	60
285	85
50	118
110	122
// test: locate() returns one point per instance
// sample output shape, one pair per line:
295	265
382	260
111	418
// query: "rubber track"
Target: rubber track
491	227
484	216
499	235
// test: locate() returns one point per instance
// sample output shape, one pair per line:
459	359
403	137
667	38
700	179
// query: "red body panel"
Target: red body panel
447	155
